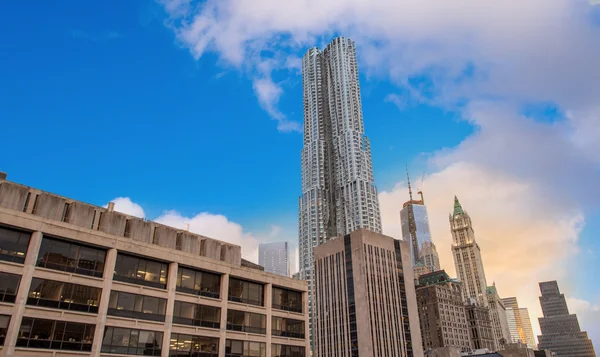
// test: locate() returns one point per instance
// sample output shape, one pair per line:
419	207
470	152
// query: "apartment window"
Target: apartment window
71	257
141	271
198	282
196	315
13	244
287	351
57	335
9	285
288	300
136	306
281	326
131	341
246	292
197	346
4	321
246	321
66	296
235	348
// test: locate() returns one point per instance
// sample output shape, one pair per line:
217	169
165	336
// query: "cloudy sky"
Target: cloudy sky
189	113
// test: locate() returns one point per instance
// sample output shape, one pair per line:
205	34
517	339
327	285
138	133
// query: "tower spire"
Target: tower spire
408	179
457	207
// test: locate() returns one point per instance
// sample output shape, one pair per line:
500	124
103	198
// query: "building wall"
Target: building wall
480	327
499	318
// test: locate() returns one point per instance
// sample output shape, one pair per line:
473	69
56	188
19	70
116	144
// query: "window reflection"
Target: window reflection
131	341
235	348
140	271
4	321
288	300
13	244
189	345
246	321
136	306
66	296
198	282
71	257
246	292
9	285
196	315
287	351
281	326
60	335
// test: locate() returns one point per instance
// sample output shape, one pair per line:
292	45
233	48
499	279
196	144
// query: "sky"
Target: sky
190	112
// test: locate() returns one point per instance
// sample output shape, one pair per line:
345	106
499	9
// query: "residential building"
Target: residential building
519	317
81	280
561	333
499	318
442	315
338	188
274	257
467	256
365	298
480	326
415	227
429	256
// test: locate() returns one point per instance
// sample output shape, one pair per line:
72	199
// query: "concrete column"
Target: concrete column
171	288
19	309
109	269
224	296
268	305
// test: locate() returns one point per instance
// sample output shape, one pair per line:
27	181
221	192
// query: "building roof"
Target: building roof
491	290
437	277
457	207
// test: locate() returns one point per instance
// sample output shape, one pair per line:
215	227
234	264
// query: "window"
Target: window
198	282
131	342
136	306
246	292
235	348
71	257
66	296
141	271
4	321
246	321
287	351
280	326
9	285
287	300
197	346
57	335
13	245
196	315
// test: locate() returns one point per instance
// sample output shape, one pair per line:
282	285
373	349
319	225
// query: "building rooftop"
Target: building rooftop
457	207
437	277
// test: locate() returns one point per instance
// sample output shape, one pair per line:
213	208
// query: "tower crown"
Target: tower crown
457	207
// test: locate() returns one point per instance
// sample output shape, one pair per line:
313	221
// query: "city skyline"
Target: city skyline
146	117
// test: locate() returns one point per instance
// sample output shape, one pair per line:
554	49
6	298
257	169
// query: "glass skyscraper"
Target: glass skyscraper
421	223
274	257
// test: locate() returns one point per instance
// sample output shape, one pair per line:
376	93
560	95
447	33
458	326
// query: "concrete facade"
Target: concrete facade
42	217
480	327
366	304
499	318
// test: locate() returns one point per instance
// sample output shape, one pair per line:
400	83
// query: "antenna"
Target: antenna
408	179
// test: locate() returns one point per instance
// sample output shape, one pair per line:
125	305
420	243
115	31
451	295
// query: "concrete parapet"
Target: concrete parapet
165	236
80	214
49	206
112	223
13	196
138	230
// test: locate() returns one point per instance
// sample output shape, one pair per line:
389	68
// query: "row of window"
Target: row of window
76	258
73	336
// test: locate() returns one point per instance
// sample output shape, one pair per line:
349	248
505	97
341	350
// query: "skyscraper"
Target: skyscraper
560	330
338	189
274	257
519	322
429	256
415	226
467	256
499	318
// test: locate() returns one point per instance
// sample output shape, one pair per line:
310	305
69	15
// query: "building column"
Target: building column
19	308
171	288
110	261
268	305
223	326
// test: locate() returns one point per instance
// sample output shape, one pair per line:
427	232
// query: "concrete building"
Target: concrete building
429	256
518	317
274	257
467	256
480	326
81	280
499	318
338	188
365	298
560	330
442	315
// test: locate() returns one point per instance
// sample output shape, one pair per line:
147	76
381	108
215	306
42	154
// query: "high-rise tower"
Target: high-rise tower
338	189
415	227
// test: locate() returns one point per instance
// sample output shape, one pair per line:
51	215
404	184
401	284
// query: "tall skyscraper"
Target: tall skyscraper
274	257
415	226
338	190
467	256
560	330
520	316
499	318
429	256
365	298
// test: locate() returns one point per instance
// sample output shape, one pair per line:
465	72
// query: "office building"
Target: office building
467	256
274	257
442	312
420	269
429	256
338	188
561	333
480	326
499	318
81	280
365	298
415	229
520	316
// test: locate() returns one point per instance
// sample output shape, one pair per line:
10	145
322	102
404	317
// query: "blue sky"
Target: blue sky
108	99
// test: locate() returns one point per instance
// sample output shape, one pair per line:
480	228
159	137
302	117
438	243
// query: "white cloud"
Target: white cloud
125	205
581	307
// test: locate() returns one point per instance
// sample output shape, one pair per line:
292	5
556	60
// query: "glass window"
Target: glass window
4	321
234	348
59	335
287	351
196	315
281	326
198	282
66	296
136	306
288	300
246	321
246	292
131	341
9	285
71	257
188	345
140	271
13	244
